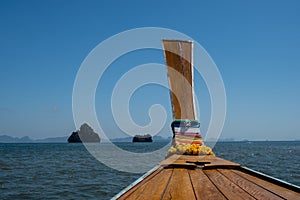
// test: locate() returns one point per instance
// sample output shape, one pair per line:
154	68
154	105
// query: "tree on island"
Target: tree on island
84	134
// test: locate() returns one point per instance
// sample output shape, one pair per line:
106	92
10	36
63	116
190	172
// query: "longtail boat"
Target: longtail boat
191	170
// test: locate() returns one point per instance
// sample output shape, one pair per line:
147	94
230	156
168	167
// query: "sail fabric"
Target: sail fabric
186	132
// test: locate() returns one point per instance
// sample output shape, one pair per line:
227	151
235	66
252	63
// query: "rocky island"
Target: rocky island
84	134
142	138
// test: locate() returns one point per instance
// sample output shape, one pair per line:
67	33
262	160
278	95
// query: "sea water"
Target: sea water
69	171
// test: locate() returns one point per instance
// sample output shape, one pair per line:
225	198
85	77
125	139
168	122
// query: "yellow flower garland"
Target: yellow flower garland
190	149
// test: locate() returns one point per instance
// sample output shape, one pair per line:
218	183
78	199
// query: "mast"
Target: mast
179	58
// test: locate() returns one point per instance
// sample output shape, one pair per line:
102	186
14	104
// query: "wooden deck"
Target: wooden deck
207	177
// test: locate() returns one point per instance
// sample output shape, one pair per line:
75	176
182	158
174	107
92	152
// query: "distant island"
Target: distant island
142	138
26	139
85	134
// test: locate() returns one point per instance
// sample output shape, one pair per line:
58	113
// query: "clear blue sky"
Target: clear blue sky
256	46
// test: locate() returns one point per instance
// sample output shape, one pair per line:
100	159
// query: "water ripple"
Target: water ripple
68	171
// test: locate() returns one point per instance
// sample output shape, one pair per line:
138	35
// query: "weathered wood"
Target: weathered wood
256	191
144	181
218	162
170	160
205	183
154	188
228	188
184	165
208	161
203	187
276	189
180	186
178	55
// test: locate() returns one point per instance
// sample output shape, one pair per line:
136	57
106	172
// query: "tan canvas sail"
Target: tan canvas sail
178	55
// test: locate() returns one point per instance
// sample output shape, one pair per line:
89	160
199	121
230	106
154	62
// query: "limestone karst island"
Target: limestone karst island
142	138
85	134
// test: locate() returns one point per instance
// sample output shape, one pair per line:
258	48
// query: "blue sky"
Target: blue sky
256	46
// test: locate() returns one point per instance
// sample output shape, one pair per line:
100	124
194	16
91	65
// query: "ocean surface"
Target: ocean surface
69	171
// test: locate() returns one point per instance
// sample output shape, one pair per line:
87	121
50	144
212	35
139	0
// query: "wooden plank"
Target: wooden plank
170	160
228	188
219	162
276	189
194	158
209	160
178	55
180	186
253	189
144	181
203	187
153	188
182	165
182	159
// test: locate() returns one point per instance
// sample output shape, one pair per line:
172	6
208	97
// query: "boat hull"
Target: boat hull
207	177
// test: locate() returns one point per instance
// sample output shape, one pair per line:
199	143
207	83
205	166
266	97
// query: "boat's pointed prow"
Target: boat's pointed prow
179	61
192	171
